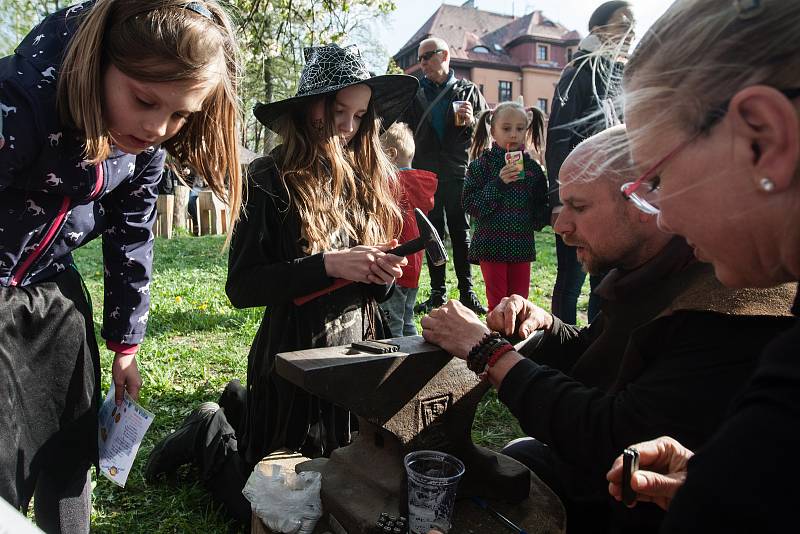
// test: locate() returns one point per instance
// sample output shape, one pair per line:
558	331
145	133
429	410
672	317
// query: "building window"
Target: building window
504	91
542	105
569	54
541	52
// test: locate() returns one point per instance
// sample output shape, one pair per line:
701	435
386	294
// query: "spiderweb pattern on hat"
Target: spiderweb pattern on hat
328	67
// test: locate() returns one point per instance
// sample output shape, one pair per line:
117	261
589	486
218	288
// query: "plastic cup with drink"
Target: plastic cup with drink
460	120
432	483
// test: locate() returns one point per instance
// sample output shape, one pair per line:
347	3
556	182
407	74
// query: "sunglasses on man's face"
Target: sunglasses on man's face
427	55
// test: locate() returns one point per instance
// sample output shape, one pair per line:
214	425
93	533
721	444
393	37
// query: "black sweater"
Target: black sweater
654	363
745	478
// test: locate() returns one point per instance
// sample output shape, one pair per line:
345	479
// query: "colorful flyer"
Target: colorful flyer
121	431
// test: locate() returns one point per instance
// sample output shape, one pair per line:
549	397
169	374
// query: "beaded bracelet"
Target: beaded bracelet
497	354
495	357
474	357
479	356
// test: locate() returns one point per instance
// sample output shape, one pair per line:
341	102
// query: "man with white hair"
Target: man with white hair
442	134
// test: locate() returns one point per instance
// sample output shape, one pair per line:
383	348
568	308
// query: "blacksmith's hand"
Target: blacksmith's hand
363	264
454	327
517	315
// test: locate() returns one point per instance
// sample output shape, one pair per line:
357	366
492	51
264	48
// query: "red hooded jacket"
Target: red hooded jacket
418	189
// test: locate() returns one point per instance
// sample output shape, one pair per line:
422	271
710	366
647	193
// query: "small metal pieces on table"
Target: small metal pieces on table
388	524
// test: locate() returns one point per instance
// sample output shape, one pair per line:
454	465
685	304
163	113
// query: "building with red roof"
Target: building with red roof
505	56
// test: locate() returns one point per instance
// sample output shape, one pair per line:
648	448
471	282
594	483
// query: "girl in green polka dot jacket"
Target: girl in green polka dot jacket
505	191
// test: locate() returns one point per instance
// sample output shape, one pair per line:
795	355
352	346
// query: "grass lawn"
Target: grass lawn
196	342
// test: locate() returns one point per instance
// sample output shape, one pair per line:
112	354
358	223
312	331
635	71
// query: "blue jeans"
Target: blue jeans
192	205
569	281
400	311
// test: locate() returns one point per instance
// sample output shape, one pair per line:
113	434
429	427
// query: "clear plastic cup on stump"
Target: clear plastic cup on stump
432	483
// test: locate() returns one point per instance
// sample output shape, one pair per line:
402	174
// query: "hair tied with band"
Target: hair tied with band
200	9
748	9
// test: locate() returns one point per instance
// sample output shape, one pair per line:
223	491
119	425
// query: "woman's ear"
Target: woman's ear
767	121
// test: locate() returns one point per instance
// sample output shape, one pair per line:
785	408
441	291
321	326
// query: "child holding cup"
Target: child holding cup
506	192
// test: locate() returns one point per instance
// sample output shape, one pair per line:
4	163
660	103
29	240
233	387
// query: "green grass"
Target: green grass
196	342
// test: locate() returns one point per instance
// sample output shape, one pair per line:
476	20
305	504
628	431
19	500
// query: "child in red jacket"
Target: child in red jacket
418	189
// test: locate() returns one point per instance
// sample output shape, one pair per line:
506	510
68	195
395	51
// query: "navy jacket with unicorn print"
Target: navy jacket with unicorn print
52	202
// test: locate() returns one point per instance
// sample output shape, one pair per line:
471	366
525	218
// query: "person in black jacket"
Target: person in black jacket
443	136
662	357
583	104
715	130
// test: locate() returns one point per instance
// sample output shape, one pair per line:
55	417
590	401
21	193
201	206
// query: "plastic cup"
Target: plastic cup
432	483
459	119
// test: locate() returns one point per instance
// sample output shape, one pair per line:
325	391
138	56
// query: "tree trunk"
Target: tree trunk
180	215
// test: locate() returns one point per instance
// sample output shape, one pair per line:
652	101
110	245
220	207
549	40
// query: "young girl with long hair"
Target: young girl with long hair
319	207
508	205
92	100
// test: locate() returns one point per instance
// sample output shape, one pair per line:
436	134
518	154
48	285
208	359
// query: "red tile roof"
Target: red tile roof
465	27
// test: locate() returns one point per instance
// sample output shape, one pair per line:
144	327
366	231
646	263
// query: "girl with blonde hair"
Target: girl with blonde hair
92	101
505	191
320	207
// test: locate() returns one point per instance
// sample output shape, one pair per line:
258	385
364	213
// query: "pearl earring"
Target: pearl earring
767	185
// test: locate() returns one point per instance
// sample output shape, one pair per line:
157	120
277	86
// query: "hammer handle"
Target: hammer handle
409	247
339	282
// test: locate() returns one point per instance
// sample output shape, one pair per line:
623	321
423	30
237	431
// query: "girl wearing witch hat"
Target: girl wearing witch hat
319	207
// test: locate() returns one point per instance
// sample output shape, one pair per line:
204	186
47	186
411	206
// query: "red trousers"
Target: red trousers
505	279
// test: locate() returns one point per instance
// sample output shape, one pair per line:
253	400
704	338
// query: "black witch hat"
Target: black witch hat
330	68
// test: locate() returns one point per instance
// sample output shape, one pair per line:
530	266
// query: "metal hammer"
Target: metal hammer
428	239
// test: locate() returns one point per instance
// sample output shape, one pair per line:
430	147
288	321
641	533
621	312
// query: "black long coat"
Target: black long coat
268	267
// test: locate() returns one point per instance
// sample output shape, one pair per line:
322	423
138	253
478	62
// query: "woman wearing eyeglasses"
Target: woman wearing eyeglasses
712	111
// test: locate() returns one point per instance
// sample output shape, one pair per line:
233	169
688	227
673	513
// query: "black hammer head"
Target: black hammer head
434	247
